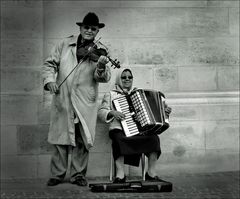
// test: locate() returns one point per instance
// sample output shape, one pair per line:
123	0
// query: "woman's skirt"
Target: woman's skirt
132	147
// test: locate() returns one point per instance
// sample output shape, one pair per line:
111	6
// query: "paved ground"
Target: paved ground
193	186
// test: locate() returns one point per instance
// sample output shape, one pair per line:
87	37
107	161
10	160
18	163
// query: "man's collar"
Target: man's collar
73	40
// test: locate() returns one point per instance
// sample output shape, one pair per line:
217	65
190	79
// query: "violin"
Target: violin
93	53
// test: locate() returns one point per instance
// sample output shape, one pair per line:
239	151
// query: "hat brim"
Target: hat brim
100	25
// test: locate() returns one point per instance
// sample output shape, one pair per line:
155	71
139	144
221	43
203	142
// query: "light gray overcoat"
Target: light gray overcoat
79	94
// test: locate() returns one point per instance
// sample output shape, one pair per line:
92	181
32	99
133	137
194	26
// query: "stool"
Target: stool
112	166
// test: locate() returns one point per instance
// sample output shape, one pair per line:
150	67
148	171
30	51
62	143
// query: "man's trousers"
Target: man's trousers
79	159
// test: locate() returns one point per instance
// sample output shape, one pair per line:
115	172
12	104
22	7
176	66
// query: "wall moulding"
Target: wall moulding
203	97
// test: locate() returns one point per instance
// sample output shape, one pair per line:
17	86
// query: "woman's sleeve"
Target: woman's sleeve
101	75
105	108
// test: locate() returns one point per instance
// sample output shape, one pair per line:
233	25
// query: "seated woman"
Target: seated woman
128	150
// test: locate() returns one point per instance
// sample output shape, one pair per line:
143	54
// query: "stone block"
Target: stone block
186	159
167	4
222	160
43	165
146	21
197	78
48	46
112	17
45	147
102	141
13	166
143	76
106	87
228	78
234	21
61	22
213	50
222	134
79	4
21	52
21	4
166	79
182	137
99	164
165	51
115	47
198	161
21	80
219	112
141	22
28	142
188	22
44	108
19	109
8	140
136	171
32	139
21	20
185	113
228	3
169	164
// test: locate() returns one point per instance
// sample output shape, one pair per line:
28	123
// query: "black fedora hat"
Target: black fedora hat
91	19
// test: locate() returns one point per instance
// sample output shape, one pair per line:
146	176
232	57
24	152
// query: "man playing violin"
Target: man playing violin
72	73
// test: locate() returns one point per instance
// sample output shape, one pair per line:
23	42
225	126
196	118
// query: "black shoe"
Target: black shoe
119	180
80	181
53	182
154	179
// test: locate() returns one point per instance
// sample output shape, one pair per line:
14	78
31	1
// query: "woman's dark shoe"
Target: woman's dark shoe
80	181
119	180
53	182
155	178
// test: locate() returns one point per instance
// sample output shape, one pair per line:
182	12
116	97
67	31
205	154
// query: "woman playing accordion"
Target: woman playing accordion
128	149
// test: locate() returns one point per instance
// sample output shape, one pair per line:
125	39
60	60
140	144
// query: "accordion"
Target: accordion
144	112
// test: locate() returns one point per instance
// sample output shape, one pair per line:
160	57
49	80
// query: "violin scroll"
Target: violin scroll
115	62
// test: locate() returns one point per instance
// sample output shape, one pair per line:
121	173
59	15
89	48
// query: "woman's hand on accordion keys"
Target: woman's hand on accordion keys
168	110
117	115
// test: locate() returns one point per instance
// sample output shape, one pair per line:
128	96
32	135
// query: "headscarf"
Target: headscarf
118	81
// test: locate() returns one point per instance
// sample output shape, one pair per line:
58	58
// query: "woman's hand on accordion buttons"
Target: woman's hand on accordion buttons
117	115
168	110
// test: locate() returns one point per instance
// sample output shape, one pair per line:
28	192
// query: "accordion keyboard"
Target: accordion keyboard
129	126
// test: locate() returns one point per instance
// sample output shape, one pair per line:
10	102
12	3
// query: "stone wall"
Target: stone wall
187	49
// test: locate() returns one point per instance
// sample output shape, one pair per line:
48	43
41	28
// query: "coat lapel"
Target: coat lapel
73	44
